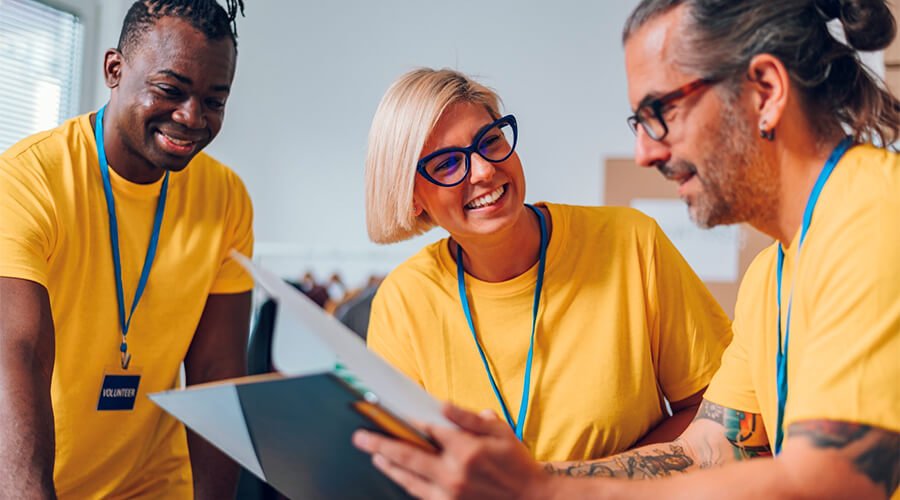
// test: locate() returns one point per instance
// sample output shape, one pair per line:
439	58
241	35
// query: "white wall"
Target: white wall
310	75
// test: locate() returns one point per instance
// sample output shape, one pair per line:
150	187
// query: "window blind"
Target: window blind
40	68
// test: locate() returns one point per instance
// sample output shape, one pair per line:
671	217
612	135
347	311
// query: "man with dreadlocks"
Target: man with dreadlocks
115	231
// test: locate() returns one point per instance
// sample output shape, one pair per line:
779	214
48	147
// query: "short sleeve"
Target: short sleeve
848	286
732	385
691	328
27	222
388	332
232	277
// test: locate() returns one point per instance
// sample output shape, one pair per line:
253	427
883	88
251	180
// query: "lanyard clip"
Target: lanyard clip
126	359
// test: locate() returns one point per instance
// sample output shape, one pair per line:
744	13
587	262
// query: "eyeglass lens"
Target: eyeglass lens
495	144
651	122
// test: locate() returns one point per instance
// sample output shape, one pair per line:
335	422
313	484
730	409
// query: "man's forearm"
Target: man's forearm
716	437
764	478
26	438
27	441
218	351
820	459
757	479
648	462
215	475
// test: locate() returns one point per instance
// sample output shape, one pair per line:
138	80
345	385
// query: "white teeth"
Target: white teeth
487	199
177	142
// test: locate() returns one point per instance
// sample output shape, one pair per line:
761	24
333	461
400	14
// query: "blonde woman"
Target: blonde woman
571	323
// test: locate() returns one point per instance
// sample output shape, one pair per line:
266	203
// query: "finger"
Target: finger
399	452
472	422
488	414
413	483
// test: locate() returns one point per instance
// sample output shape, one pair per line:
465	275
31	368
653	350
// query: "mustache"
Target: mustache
676	169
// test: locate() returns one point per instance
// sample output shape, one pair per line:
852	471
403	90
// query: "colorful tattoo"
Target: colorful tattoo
743	430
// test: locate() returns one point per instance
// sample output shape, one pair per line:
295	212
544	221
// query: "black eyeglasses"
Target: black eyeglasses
449	166
650	114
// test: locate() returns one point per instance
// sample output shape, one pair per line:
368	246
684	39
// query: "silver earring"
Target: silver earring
768	135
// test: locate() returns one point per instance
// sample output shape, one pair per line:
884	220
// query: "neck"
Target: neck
120	157
503	256
799	167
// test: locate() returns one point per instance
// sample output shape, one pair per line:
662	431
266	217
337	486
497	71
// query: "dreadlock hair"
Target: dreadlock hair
722	36
207	16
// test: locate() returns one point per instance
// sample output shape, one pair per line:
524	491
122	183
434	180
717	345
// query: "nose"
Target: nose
481	170
649	152
190	114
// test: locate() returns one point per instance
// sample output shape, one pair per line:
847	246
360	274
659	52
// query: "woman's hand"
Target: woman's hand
482	459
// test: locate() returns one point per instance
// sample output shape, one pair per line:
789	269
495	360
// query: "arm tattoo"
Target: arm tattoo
660	461
829	433
743	430
710	411
875	452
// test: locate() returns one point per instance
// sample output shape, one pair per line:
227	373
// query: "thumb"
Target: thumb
488	414
474	423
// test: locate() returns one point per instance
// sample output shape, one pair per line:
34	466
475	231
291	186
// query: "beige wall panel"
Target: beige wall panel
892	79
892	53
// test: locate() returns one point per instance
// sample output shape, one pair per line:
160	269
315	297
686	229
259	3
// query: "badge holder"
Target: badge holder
120	386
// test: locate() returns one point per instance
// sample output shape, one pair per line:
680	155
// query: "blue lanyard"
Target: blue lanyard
526	385
114	238
781	354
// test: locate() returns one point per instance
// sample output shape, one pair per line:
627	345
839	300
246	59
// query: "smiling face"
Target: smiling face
712	149
168	98
490	200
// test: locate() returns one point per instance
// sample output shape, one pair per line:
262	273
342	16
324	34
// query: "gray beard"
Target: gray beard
738	184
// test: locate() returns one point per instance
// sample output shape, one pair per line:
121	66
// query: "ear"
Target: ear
770	84
112	67
417	206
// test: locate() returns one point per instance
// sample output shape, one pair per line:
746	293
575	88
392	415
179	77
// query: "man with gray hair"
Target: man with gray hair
761	116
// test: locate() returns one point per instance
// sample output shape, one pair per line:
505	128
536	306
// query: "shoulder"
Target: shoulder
859	207
615	220
423	272
866	178
42	152
425	265
206	168
209	179
866	174
616	232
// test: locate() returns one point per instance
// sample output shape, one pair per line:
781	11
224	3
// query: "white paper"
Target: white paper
712	253
214	412
395	391
301	354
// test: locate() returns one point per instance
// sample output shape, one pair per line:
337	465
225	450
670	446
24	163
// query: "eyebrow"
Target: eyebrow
187	81
652	96
483	129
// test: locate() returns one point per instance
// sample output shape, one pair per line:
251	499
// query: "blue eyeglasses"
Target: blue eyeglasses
449	166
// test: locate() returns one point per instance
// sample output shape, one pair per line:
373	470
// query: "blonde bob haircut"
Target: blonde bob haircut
408	112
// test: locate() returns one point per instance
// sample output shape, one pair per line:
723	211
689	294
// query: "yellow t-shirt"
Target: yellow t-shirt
623	321
844	349
55	231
